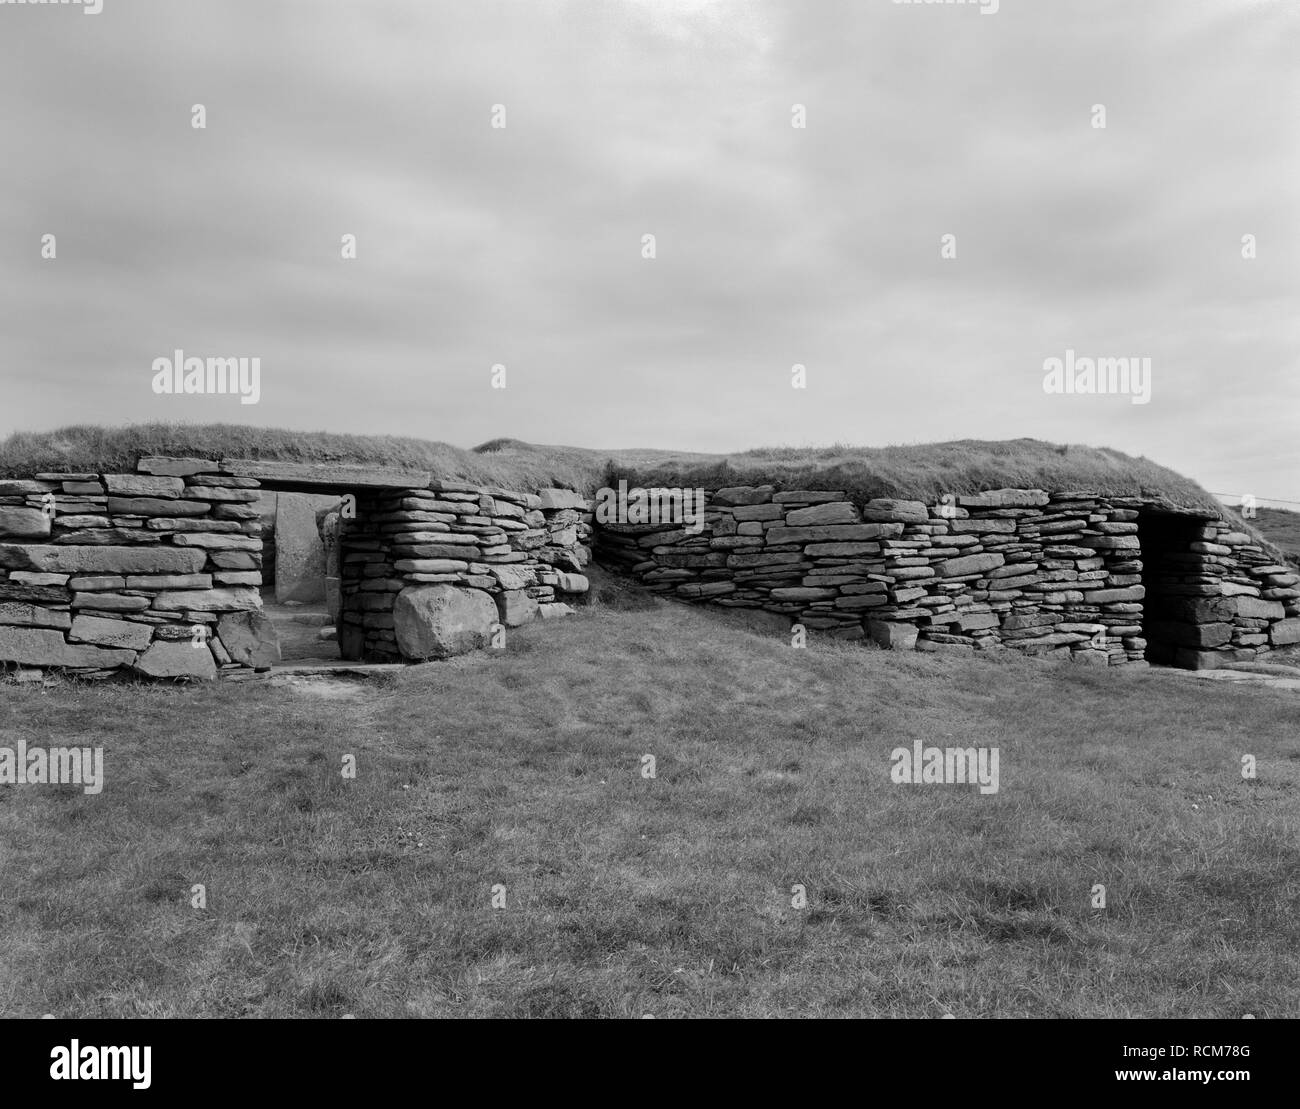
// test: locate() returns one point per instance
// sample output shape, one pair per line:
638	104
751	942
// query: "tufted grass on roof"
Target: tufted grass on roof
921	472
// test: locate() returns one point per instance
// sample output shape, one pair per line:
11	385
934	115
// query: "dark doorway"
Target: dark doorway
1170	572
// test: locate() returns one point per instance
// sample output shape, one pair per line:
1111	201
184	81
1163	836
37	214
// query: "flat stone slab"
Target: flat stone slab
177	467
235	599
136	485
114	560
336	668
110	633
1236	677
327	476
46	647
33	616
24	523
177	659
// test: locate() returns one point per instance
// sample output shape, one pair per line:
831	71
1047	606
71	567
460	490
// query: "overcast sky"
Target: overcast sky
775	245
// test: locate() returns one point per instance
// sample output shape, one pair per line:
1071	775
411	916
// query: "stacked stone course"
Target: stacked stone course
1057	575
101	572
521	551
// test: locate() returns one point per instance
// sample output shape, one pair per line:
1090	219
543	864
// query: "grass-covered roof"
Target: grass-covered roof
921	472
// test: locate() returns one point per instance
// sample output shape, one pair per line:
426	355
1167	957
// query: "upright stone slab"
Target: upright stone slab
299	552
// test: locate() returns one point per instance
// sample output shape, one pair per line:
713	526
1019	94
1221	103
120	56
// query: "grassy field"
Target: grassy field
627	895
1281	528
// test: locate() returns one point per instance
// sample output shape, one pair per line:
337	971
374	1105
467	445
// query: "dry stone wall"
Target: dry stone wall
426	572
1059	575
159	572
156	571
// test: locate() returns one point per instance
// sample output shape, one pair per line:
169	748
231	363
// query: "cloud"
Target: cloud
776	245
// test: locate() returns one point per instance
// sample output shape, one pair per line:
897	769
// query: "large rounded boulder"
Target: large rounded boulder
438	621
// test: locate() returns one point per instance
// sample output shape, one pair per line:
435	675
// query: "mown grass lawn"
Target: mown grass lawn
627	895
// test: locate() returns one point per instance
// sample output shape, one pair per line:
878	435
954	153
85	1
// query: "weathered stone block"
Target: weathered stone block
969	564
221	493
841	550
801	593
756	513
21	614
779	536
169	581
1285	632
46	647
236	560
177	467
110	602
138	485
833	512
1110	542
208	600
438	621
1004	498
889	509
103	632
896	636
23	523
178	659
1256	609
129	560
561	498
155	506
107	537
249	638
982	527
26	577
516	608
808	496
697	590
424	551
224	541
430	565
1108	596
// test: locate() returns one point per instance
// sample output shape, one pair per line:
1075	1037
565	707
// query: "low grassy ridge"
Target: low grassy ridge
924	471
1282	529
627	895
97	449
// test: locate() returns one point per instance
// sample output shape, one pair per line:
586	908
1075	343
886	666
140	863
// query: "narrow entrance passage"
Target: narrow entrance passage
305	629
1170	574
